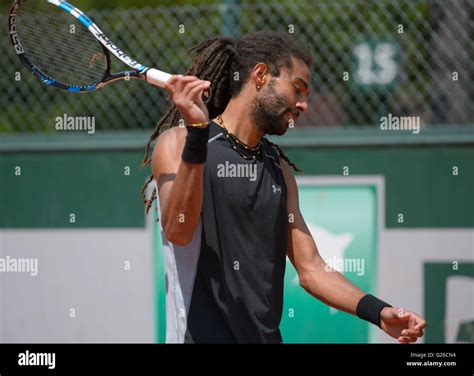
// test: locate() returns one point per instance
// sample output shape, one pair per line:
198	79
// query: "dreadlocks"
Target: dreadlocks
227	64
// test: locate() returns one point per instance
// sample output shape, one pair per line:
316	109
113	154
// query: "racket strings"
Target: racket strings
59	45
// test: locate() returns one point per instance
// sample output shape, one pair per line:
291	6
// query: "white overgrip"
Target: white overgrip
157	77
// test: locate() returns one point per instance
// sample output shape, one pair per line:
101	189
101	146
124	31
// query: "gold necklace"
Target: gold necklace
235	138
237	145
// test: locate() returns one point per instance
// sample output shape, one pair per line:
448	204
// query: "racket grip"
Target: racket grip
159	78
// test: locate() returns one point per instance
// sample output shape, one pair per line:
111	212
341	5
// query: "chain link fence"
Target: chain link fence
404	57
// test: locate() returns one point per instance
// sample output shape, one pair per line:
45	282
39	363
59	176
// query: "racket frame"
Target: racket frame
140	71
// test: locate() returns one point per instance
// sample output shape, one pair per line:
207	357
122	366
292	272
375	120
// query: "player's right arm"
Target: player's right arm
180	184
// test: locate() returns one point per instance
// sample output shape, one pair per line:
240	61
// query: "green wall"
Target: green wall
86	176
419	180
93	186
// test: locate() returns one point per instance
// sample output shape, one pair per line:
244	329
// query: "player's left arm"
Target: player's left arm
327	284
315	276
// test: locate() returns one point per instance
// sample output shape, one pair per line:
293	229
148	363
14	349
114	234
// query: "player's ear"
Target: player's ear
259	75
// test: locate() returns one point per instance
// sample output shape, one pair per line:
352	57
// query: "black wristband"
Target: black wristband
369	308
195	148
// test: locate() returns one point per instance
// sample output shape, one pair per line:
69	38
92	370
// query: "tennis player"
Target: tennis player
229	201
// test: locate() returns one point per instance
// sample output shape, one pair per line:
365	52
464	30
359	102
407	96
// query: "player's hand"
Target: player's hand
186	92
403	325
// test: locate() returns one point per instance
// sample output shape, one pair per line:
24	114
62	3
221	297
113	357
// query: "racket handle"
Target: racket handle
157	77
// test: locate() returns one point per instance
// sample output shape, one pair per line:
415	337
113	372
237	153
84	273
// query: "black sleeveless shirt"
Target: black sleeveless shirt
237	292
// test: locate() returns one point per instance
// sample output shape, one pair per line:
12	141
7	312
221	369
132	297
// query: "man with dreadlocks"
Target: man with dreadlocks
226	233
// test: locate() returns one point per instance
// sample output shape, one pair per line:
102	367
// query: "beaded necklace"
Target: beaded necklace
239	146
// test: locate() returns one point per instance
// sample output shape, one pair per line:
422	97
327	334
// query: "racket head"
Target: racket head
53	40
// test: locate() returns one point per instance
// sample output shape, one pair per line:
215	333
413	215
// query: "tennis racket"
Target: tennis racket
66	50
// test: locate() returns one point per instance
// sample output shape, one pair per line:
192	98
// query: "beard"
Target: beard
268	113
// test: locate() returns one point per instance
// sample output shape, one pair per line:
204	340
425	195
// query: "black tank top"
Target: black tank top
237	294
